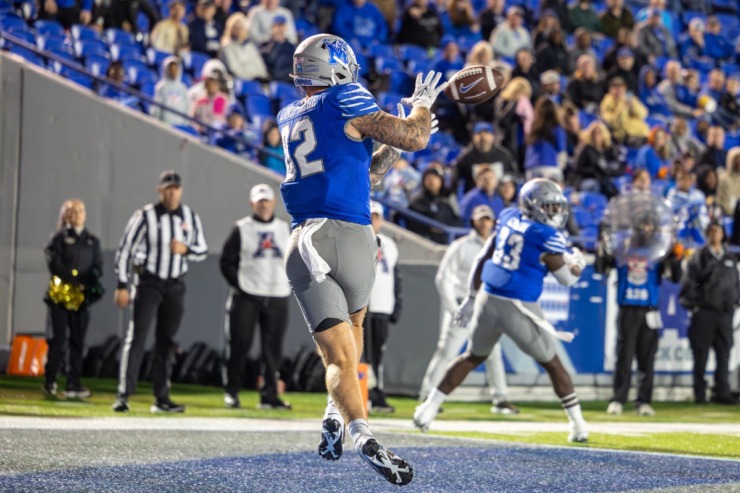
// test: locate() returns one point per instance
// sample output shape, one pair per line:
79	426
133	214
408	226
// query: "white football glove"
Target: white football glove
575	258
464	312
426	90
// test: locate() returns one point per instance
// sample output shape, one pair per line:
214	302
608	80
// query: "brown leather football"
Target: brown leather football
473	85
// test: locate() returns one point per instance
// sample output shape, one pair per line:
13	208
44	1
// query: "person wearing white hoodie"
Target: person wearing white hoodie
239	53
171	92
213	69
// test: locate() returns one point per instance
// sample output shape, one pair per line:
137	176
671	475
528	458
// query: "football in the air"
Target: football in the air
473	85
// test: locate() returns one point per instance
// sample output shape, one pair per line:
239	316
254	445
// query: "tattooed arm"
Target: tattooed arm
382	163
408	134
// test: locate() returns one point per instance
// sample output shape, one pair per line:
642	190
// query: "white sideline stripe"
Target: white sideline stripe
386	425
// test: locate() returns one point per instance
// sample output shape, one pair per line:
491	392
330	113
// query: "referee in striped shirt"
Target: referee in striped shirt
158	241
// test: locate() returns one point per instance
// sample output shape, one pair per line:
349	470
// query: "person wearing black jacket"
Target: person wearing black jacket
430	203
710	290
74	258
252	264
483	150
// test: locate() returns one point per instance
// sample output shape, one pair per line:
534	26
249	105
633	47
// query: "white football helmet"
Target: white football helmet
324	60
543	201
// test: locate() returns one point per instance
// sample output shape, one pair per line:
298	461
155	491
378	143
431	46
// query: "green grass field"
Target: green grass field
23	397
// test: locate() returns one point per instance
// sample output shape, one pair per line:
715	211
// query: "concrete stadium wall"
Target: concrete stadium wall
60	141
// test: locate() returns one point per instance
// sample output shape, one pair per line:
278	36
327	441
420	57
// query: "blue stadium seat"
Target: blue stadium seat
24	35
53	44
81	79
419	66
142	75
364	64
701	65
194	61
466	43
60	68
84	49
730	25
119	37
655	121
385	65
400	82
97	65
305	28
412	52
585	118
187	129
129	65
285	90
381	50
148	90
246	88
121	53
9	21
388	101
84	33
49	28
593	201
155	58
259	105
28	55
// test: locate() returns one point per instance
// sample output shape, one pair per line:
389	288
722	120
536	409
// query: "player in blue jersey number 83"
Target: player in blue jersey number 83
511	267
330	261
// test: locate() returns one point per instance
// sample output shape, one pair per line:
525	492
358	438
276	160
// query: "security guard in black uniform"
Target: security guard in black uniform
159	239
76	264
710	290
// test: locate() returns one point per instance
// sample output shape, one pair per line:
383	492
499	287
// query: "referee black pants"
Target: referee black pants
68	329
375	336
246	312
160	304
710	329
634	338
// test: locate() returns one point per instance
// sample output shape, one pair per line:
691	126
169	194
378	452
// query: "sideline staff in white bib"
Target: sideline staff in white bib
252	263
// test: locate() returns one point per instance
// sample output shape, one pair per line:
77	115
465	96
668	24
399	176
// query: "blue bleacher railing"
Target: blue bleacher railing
209	131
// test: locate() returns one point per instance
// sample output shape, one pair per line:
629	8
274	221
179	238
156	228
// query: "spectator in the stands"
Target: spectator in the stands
450	61
682	141
715	155
223	11
389	9
586	89
239	53
507	190
550	86
583	15
687	91
211	108
116	73
213	68
274	158
669	87
278	52
171	35
691	44
583	46
361	22
420	25
484	193
625	39
572	126
654	39
430	203
236	136
172	92
401	183
689	205
560	8
728	190
513	116
624	114
66	12
553	53
728	106
707	181
547	23
597	160
491	16
205	35
655	155
650	94
459	20
511	36
715	86
625	68
717	44
482	150
546	146
641	181
480	54
524	67
261	21
656	7
615	17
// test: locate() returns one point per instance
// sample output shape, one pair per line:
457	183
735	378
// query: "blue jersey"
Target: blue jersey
516	269
327	172
638	282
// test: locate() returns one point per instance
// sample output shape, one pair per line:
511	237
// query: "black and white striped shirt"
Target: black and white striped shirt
146	242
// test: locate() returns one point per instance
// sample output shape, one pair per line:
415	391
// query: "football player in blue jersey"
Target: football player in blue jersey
330	261
511	267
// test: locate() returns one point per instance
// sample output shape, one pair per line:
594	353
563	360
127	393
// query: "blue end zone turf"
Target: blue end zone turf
438	469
